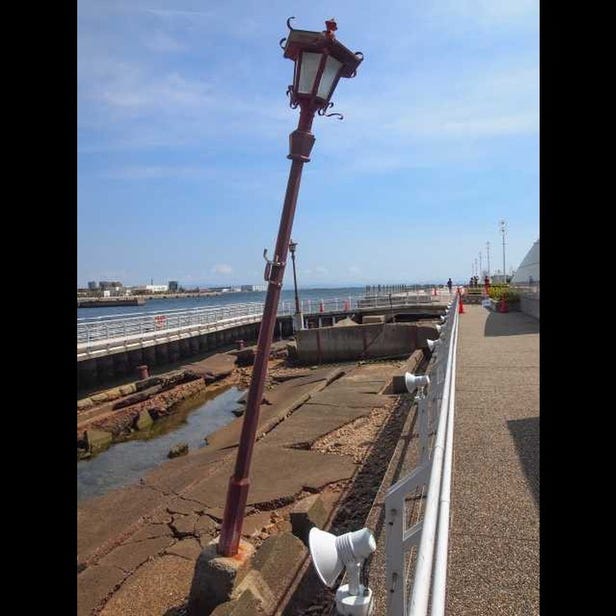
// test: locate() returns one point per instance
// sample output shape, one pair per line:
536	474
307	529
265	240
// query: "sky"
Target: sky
183	127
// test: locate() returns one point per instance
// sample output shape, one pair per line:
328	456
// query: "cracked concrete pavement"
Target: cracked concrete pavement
137	545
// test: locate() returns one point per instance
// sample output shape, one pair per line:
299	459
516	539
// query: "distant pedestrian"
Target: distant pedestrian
449	285
486	284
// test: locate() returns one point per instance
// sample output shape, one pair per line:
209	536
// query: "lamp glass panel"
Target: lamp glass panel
308	71
330	72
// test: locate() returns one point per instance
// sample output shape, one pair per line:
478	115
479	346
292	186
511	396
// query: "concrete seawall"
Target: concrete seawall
332	344
98	371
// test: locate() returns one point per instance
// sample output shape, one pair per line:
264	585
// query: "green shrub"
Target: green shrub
497	292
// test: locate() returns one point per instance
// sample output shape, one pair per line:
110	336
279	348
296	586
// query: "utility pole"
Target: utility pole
480	266
502	230
488	251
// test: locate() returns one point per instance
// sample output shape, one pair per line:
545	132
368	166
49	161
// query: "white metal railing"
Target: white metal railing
159	323
429	533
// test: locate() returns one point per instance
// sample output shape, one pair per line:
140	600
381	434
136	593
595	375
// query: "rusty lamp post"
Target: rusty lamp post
298	319
320	61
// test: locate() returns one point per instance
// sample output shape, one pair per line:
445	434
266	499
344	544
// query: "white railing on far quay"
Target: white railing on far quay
150	323
427	536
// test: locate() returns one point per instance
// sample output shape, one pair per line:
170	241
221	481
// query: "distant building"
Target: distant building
173	286
252	287
528	271
156	288
93	285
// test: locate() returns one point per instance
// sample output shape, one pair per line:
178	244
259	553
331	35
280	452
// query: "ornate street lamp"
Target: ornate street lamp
299	319
320	61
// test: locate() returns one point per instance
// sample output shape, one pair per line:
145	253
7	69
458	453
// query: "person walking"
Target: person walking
486	284
449	285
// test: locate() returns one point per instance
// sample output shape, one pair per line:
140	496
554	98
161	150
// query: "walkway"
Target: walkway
494	533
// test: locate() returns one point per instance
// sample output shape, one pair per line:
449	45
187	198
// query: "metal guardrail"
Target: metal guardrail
90	330
427	536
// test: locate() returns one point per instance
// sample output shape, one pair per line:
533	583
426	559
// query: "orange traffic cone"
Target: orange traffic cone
460	304
321	307
434	291
346	306
502	306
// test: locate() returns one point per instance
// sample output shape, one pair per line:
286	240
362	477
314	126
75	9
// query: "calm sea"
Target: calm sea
186	303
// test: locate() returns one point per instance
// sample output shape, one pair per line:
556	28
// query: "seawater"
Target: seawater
126	462
187	303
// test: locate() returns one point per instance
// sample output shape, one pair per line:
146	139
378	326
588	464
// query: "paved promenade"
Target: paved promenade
494	531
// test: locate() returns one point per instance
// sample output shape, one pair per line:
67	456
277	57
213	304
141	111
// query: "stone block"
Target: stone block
180	449
143	420
307	513
97	440
277	560
216	577
245	605
373	318
126	390
86	403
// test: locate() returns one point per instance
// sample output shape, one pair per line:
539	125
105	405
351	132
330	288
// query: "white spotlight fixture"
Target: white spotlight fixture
413	381
330	554
438	328
433	344
443	318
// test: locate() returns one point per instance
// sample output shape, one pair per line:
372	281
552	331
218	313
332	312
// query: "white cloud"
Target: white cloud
222	268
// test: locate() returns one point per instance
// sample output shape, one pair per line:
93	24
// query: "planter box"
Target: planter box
511	306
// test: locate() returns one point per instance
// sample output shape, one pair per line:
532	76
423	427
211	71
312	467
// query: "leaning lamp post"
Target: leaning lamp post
298	317
320	61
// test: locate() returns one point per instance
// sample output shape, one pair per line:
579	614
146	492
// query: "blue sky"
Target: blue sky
183	128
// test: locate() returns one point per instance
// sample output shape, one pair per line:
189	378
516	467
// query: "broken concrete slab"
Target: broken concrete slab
130	555
283	400
151	531
256	522
175	474
106	519
155	588
293	469
361	387
277	560
188	548
183	506
94	584
218	365
205	526
342	397
312	421
183	525
305	514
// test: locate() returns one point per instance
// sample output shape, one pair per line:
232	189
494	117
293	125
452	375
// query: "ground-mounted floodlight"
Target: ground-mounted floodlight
413	381
438	328
443	318
418	382
434	344
331	554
